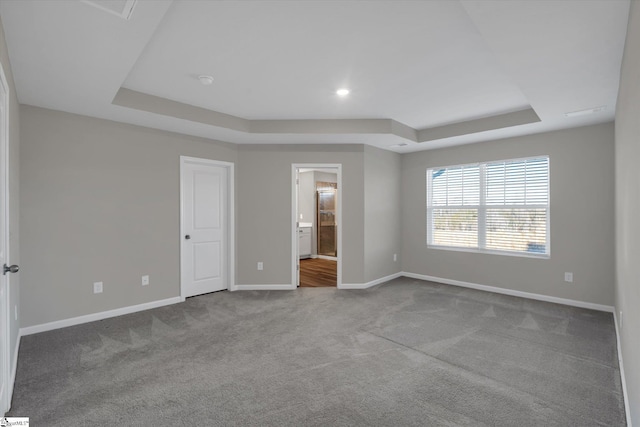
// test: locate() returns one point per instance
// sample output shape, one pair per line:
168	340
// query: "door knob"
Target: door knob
10	269
187	237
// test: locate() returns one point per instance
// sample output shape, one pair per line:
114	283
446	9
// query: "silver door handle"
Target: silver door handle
10	269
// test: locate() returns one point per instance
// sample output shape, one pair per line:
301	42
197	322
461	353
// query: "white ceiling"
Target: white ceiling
414	67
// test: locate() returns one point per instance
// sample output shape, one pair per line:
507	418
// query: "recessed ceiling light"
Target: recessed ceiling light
586	112
206	80
342	92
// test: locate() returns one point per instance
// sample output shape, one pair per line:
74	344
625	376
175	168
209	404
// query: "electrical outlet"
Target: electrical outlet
395	257
260	266
15	312
301	216
97	287
568	277
145	280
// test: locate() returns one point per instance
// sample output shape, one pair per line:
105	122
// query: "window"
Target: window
500	207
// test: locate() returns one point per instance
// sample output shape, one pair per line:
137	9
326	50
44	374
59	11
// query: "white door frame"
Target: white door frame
4	181
294	219
231	233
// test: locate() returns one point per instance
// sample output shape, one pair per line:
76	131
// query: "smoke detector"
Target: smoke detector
206	80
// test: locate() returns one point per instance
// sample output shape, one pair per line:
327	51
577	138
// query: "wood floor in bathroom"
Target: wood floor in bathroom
318	273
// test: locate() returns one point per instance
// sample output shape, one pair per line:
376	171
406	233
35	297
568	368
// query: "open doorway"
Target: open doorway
316	225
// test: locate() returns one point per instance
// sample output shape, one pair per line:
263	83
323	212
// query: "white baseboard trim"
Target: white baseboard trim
627	409
14	368
354	286
29	330
287	287
329	258
369	284
505	291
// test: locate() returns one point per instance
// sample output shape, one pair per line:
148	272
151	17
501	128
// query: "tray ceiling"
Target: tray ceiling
425	74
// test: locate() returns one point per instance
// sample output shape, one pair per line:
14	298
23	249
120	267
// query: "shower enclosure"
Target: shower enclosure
326	202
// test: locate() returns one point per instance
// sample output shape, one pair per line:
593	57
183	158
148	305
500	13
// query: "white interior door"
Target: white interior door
204	251
5	369
297	213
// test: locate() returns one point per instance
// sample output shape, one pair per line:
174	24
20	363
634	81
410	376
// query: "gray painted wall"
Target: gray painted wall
14	196
627	207
382	213
98	194
264	209
101	203
582	225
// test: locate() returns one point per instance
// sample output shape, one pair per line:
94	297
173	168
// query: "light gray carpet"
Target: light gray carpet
405	353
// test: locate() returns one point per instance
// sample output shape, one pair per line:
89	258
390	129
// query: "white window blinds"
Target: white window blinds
455	199
496	206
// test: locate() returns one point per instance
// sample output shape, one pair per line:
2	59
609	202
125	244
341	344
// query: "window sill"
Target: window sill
491	252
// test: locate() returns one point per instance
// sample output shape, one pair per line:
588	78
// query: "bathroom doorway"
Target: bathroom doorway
316	225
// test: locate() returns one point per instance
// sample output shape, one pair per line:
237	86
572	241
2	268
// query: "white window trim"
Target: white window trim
482	211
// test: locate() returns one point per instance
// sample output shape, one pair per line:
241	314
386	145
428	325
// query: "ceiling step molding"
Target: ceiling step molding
153	104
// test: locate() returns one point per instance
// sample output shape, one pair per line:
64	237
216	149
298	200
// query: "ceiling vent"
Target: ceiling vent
121	8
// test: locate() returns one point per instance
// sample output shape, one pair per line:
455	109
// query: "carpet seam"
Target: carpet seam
545	403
